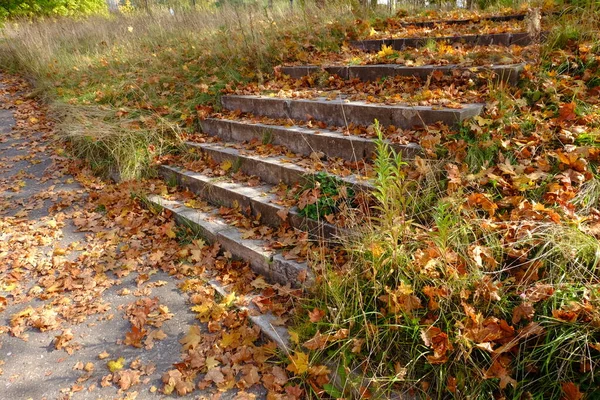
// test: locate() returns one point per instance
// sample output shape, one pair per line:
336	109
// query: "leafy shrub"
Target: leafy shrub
35	8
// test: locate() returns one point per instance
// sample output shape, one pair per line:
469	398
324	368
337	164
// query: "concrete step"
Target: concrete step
301	140
271	169
499	39
464	21
258	200
212	228
503	73
341	112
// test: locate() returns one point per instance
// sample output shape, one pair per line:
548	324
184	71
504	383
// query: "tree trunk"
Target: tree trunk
113	6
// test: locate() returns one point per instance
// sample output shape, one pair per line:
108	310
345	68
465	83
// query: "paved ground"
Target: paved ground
39	203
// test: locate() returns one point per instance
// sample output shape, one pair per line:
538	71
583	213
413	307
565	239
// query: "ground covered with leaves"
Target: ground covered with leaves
101	296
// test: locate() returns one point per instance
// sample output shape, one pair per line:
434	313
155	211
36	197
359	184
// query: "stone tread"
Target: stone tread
265	321
259	200
341	112
302	140
499	39
271	169
213	228
505	73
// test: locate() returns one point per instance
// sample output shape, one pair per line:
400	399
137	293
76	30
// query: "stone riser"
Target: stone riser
341	112
501	73
494	18
302	140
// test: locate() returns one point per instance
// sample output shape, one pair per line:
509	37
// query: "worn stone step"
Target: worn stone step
271	169
267	322
498	39
258	200
212	228
302	140
503	73
341	112
464	21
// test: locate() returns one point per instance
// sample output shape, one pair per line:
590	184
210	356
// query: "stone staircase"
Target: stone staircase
230	140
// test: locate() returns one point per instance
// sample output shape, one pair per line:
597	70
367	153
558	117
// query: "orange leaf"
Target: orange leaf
316	315
571	391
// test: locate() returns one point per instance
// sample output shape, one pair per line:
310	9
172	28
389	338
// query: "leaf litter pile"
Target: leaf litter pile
52	285
480	275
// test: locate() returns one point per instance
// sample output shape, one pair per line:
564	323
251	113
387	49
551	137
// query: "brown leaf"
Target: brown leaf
523	310
571	391
316	315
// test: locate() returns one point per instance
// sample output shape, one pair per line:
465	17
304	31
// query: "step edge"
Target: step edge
353	179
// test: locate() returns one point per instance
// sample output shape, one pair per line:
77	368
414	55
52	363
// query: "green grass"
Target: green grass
143	76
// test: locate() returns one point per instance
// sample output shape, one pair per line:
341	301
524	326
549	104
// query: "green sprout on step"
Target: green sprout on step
323	195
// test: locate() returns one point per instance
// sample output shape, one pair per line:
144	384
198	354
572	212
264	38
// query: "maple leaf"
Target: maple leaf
192	338
294	336
215	375
228	300
299	363
566	112
126	378
317	342
481	200
226	165
229	339
316	315
401	300
295	391
385	51
135	336
156	334
498	370
523	310
174	380
250	376
436	339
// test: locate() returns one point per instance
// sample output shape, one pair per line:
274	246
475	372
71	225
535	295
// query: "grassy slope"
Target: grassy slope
144	76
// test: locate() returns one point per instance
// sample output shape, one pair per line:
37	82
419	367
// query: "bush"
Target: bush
47	8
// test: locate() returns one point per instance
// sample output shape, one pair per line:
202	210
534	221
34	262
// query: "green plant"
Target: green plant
50	8
322	195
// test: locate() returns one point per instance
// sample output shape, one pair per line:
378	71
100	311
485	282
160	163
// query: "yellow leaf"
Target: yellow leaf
226	165
294	337
192	339
385	51
194	203
8	287
229	339
116	365
211	363
229	299
299	363
373	32
170	233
